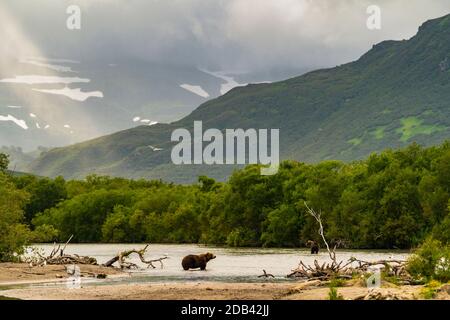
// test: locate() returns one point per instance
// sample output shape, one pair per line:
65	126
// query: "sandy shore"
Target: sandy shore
22	273
12	275
198	291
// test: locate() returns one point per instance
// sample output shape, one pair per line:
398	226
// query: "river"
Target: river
231	264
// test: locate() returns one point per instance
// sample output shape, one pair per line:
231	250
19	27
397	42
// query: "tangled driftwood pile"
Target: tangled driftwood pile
351	267
341	269
58	257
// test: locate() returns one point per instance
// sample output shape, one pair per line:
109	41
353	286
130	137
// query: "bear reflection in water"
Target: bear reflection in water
197	261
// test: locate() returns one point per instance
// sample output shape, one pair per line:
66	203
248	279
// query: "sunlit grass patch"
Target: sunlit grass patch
413	126
378	133
355	141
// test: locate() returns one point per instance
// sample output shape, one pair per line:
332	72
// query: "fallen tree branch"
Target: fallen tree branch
266	275
121	256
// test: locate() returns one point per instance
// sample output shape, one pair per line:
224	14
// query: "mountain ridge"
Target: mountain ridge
395	94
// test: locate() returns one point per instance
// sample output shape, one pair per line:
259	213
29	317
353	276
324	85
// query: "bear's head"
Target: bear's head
310	243
209	256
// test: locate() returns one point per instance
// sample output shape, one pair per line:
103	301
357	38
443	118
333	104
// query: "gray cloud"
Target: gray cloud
248	35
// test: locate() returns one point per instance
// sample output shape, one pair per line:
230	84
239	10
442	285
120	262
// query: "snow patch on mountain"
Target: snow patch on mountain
54	67
74	94
36	79
54	60
19	122
198	90
149	122
229	84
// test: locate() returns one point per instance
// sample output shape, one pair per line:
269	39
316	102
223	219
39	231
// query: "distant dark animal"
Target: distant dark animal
314	246
197	261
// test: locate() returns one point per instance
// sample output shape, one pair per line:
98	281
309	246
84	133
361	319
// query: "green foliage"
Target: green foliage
84	215
430	289
395	199
441	230
4	162
386	276
334	295
337	282
431	261
13	233
44	193
44	233
282	227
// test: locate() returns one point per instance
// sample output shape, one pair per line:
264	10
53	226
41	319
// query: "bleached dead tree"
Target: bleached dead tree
121	256
317	271
339	269
318	218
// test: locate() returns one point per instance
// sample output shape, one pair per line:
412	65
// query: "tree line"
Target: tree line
394	199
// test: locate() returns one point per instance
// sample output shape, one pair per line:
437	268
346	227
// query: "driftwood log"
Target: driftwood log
266	275
121	256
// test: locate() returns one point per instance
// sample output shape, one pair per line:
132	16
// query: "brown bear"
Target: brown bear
197	261
314	246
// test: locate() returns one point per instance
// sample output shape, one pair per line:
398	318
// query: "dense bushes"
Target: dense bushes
13	233
431	261
395	199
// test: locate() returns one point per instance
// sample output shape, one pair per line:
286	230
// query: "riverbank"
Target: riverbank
20	281
205	291
22	273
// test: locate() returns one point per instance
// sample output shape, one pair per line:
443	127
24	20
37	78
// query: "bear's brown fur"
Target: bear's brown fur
314	246
197	261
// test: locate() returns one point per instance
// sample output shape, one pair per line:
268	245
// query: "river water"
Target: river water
230	265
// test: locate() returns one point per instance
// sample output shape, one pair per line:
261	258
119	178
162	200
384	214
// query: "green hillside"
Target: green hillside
395	94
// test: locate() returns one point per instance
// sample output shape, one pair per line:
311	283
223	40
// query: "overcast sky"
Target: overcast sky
236	35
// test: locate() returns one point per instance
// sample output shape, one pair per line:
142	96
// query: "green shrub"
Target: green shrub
430	290
44	233
14	235
337	282
430	261
334	295
241	237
